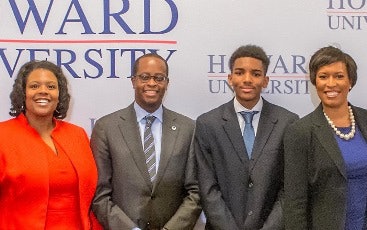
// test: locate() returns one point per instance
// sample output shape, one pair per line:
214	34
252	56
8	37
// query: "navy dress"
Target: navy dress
354	152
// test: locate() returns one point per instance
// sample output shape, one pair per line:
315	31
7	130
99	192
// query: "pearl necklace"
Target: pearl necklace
340	134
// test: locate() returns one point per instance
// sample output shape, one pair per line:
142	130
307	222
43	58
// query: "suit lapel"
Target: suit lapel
326	138
130	133
266	125
170	130
361	121
232	129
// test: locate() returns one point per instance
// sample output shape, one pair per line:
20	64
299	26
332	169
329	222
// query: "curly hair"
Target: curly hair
329	55
251	51
17	96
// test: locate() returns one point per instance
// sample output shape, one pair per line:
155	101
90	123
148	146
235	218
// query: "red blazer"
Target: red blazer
24	180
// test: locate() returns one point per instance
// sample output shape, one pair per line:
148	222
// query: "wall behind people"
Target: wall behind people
96	43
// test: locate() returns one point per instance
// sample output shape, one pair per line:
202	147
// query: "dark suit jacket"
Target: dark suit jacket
315	175
238	193
125	196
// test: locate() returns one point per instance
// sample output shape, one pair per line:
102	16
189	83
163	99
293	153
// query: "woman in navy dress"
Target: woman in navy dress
326	152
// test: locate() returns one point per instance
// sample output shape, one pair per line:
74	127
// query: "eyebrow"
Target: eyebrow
42	82
252	70
331	72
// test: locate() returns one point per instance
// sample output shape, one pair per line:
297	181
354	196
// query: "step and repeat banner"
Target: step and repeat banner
96	41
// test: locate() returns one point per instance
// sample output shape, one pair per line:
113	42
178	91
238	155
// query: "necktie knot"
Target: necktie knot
248	116
149	119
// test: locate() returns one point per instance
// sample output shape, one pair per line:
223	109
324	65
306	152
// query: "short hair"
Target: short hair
136	63
329	55
18	95
252	51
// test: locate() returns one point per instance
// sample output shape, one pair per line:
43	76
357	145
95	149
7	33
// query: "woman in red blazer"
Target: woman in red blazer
47	172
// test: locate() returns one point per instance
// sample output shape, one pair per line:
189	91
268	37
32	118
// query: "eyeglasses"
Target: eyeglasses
158	78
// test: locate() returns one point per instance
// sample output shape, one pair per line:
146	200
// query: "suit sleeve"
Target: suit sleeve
190	209
275	219
296	145
216	211
108	214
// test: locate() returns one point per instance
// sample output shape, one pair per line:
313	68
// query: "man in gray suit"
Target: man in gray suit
241	185
145	159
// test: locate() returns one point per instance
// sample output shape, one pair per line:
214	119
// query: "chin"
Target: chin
331	105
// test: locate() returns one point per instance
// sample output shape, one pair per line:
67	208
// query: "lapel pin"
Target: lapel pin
173	128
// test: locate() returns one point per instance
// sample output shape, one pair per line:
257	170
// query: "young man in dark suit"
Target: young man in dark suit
240	162
145	161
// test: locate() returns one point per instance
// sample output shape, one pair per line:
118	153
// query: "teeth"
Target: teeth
332	94
42	101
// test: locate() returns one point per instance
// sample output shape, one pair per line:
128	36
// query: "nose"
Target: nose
247	77
331	81
43	89
151	81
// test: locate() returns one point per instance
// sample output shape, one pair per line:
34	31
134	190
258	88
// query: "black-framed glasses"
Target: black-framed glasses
158	78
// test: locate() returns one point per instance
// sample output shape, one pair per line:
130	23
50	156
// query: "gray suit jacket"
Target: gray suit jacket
315	174
237	192
125	197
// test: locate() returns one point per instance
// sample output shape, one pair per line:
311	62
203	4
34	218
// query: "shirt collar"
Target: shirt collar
141	113
239	108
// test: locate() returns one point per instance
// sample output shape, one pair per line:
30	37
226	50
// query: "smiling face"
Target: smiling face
149	95
42	94
333	85
248	79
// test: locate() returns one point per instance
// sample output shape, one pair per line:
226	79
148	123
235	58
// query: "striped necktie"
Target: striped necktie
149	149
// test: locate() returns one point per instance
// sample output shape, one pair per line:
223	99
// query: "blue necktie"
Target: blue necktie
248	133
